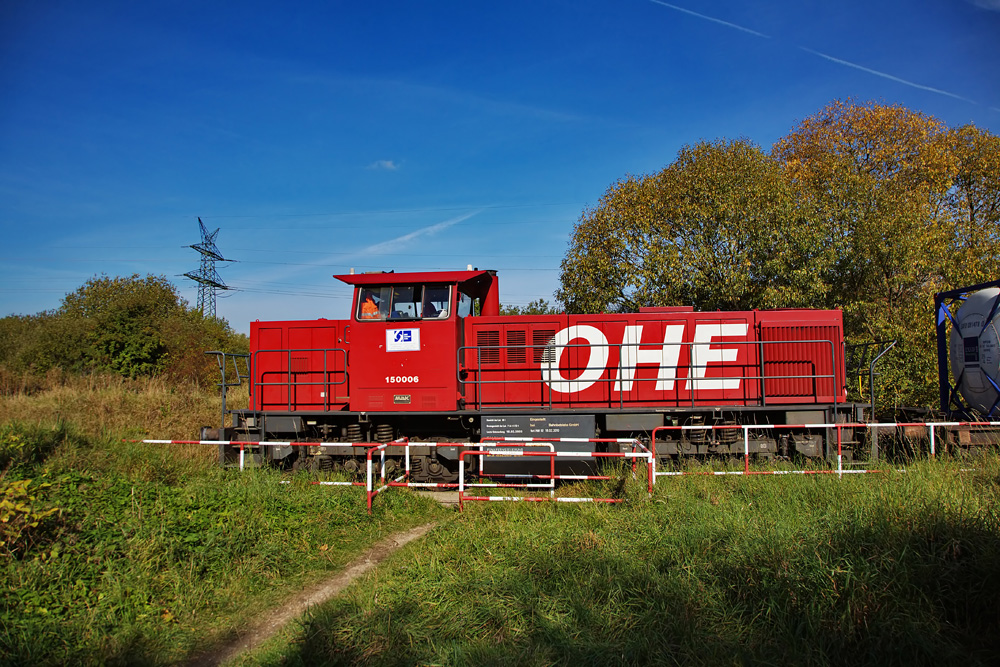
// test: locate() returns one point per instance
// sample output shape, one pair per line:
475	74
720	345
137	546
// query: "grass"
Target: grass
109	405
124	553
895	569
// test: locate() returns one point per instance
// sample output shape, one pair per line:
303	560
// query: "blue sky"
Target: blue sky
409	135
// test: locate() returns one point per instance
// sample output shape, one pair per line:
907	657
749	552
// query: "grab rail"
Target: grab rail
480	374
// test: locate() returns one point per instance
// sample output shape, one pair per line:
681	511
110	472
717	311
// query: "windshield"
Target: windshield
404	302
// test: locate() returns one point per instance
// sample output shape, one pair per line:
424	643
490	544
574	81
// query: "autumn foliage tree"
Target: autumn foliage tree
868	208
721	227
536	307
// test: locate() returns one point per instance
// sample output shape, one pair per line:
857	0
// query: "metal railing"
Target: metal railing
515	447
291	384
224	359
745	378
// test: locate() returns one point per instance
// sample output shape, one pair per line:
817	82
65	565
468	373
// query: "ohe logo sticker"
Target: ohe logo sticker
402	340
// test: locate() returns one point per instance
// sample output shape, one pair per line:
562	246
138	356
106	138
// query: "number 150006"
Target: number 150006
402	379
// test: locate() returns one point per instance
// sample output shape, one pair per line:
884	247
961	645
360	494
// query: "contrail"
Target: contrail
709	18
846	63
392	244
886	76
378	248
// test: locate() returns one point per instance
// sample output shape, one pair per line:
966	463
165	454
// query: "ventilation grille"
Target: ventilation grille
542	352
300	364
516	352
489	346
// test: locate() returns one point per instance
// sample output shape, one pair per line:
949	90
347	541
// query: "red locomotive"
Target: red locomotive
427	356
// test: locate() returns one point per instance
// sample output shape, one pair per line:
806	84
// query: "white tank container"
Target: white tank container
975	349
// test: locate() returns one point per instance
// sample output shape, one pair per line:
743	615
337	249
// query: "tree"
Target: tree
123	319
536	307
972	207
867	208
721	227
876	179
188	336
132	326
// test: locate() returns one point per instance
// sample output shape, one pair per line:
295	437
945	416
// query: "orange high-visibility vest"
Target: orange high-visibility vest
369	310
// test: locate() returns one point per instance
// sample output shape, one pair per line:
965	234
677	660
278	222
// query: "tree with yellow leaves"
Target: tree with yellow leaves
719	228
865	207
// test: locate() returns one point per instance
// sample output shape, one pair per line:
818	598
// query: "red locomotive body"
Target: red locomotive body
428	356
662	359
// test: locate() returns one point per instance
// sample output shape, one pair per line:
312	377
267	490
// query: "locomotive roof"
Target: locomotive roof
420	277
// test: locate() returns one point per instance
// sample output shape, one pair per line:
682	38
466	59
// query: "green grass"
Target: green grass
154	553
894	569
125	553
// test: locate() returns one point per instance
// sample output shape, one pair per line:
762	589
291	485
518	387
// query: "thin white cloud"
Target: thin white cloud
397	243
385	165
985	4
885	76
734	26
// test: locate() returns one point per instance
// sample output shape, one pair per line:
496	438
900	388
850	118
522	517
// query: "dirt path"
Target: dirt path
321	592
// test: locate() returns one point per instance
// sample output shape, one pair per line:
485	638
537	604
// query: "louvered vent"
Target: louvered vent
541	352
489	346
300	364
516	351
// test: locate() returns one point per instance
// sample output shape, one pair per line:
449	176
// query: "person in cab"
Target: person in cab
369	309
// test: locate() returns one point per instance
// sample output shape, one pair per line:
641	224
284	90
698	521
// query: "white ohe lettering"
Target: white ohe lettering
596	347
584	339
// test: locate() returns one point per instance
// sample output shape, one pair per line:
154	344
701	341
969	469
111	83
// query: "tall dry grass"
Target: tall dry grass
102	405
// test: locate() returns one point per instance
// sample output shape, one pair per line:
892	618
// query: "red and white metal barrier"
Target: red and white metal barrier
632	442
552	455
840	471
514	447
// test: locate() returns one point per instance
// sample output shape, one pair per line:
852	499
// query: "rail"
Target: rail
223	359
824	387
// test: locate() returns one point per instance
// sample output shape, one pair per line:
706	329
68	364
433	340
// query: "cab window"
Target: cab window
404	302
373	303
464	304
437	302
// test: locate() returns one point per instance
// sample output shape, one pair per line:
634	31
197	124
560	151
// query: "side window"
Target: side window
437	301
464	304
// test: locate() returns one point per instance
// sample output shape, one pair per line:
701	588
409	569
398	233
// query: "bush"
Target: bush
131	326
22	522
23	447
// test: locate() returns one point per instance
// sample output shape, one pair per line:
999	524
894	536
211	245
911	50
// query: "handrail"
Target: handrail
222	360
480	373
289	384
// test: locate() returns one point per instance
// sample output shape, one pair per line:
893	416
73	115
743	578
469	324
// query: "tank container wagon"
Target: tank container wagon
968	341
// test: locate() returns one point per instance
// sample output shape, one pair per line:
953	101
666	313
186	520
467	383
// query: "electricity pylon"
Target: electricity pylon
207	277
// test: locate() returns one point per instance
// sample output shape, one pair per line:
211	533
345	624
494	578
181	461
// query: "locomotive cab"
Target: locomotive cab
403	335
